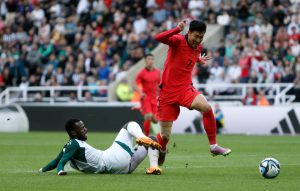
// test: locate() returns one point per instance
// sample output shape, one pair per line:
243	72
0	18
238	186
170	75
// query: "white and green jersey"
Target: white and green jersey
86	158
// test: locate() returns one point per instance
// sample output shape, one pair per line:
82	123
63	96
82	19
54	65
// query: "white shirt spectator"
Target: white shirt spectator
267	29
291	25
44	31
38	15
215	4
233	73
56	9
255	28
151	4
87	64
3	9
60	26
216	74
83	6
195	6
295	48
99	6
140	25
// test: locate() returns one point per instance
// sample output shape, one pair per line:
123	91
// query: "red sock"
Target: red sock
147	127
162	142
210	126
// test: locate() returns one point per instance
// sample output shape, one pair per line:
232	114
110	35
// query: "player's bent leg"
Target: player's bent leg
200	103
133	130
124	136
139	154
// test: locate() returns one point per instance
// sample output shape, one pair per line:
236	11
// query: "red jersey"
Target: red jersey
149	81
181	59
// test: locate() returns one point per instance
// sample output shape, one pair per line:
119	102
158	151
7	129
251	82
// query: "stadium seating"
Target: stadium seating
93	43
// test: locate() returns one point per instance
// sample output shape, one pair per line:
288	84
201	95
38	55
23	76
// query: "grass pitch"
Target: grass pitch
188	166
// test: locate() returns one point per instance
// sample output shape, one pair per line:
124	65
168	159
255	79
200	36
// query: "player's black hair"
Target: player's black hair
197	25
149	54
70	124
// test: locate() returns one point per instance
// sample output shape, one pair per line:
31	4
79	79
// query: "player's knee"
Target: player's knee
206	108
153	119
147	117
131	124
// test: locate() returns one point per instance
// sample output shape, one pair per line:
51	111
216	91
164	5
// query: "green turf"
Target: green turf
189	165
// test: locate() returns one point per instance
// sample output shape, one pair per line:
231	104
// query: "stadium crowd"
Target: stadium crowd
94	42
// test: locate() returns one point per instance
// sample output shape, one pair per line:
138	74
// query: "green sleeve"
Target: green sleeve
53	164
48	50
69	152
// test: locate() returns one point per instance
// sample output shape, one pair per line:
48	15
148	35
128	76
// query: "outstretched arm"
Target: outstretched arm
68	154
60	161
53	164
167	37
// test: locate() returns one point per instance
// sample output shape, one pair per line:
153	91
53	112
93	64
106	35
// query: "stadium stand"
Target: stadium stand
57	46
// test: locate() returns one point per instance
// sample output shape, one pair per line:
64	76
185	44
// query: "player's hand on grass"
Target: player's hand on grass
41	170
203	57
181	25
62	173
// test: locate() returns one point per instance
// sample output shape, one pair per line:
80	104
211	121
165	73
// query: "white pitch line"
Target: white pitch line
219	166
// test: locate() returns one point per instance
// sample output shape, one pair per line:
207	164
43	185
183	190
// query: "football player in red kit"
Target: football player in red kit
176	88
149	79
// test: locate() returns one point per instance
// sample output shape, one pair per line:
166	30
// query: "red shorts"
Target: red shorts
148	105
168	103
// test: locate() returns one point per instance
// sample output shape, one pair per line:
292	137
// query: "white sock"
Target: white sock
212	147
135	129
153	156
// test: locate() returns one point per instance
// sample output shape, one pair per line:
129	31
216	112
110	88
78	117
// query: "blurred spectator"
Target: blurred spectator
288	76
266	28
261	98
140	24
88	97
245	63
219	118
297	86
38	15
196	6
124	91
72	97
250	98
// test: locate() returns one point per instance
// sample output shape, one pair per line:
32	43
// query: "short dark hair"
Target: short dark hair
197	25
149	54
70	125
